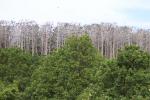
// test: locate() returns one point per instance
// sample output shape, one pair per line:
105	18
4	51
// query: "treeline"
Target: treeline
43	39
76	71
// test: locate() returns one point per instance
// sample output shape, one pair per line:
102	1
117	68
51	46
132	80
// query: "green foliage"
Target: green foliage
75	72
9	92
129	76
15	65
133	57
67	72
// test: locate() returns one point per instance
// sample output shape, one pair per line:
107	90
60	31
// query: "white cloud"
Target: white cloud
83	11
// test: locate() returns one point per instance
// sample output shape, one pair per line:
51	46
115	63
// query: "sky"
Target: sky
134	13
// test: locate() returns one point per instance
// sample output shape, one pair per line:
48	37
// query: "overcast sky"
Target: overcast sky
123	12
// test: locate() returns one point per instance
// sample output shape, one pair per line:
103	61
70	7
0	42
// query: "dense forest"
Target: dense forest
33	68
43	39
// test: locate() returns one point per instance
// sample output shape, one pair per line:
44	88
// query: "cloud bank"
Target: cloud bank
123	12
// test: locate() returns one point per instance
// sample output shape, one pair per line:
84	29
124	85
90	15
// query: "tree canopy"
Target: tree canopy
76	71
16	68
66	72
